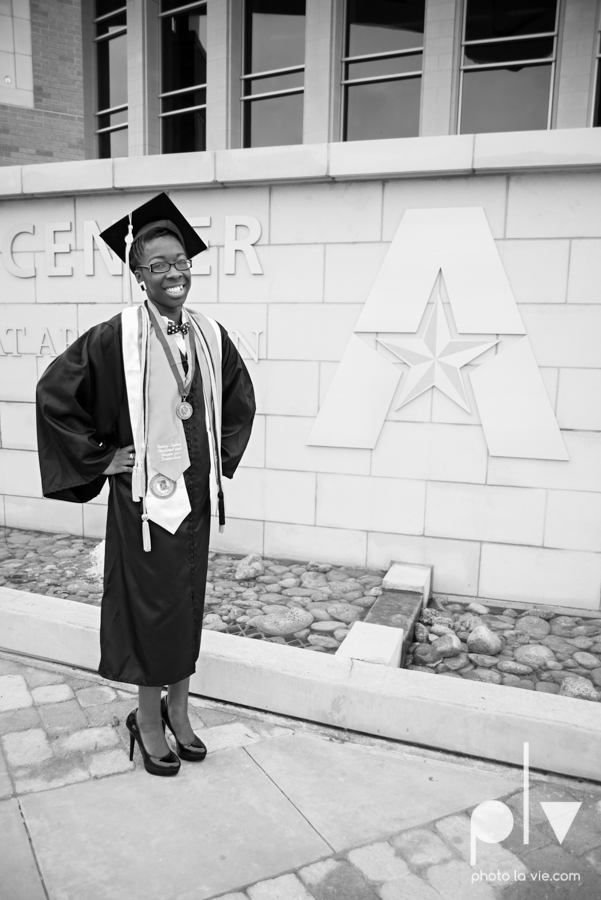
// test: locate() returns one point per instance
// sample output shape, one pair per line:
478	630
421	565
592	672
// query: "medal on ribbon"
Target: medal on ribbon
183	410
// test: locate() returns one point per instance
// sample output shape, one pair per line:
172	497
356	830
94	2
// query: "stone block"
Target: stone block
565	335
332	879
535	149
19	473
340	546
14	693
51	774
545	206
397	609
45	515
96	694
583	834
111	762
573	520
172	170
272	495
378	862
485	513
240	536
325	213
421	847
288	163
94	520
581	473
576	399
19	719
68	177
537	270
291	274
235	201
350	271
305	331
408	888
86	741
456	563
52	693
286	387
26	748
489	192
10	181
18	375
378	644
226	737
402	156
17	421
287	448
528	574
20	875
489	857
374	504
431	452
584	282
286	887
38	677
453	881
40	213
112	714
61	718
403	576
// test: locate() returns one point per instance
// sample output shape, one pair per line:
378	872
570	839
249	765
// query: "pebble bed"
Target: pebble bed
533	649
310	605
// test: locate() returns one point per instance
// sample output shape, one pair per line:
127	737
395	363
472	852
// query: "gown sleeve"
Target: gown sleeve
78	401
238	406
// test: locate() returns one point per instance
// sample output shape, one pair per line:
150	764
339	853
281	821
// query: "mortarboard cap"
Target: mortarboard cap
160	212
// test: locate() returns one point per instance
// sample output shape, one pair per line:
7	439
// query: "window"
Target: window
597	96
110	30
508	63
183	76
274	67
382	67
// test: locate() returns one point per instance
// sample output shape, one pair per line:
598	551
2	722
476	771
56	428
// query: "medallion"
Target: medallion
184	410
162	487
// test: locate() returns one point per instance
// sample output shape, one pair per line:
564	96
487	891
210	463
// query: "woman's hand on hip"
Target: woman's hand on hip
122	461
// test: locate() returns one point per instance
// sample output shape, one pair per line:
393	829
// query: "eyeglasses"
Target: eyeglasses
161	268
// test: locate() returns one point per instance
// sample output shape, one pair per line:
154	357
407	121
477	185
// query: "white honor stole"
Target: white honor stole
148	377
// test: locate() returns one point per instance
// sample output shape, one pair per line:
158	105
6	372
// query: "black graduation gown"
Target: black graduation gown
152	604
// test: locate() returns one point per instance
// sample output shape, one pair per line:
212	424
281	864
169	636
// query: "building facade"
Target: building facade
419	304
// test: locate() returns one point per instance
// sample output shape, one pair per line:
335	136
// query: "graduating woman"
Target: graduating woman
158	401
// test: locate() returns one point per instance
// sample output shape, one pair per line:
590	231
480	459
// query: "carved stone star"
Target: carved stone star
436	360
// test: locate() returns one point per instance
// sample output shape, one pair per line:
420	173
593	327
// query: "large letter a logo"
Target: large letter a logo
515	411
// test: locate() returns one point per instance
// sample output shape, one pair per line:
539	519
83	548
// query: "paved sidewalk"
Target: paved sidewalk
280	810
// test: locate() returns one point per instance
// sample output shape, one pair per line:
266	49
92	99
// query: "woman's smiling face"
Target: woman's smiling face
167	290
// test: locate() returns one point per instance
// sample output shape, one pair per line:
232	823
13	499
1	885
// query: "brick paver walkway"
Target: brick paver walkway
61	727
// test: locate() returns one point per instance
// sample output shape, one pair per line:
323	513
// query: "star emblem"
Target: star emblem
436	359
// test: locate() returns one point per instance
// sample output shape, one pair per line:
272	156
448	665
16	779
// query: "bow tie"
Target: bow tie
172	328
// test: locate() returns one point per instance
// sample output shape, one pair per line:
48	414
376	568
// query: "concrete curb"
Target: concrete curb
472	718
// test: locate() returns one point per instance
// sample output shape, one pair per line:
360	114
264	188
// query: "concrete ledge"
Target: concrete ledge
295	163
163	171
68	177
10	181
483	720
402	156
527	150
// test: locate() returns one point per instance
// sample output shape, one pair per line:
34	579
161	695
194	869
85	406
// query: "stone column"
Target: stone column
442	44
576	64
323	51
143	77
224	67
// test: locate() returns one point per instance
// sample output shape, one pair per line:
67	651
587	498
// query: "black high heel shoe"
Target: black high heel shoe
194	752
164	765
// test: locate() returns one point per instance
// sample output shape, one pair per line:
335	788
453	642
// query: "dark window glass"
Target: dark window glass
184	133
275	121
382	109
486	19
112	25
168	5
597	109
113	143
104	7
506	99
108	121
376	26
112	72
508	51
183	50
274	34
277	83
390	65
184	101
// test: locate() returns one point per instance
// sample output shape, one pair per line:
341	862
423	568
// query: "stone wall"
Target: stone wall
429	491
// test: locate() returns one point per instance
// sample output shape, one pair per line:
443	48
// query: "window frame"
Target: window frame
491	66
596	91
163	95
96	40
345	83
246	78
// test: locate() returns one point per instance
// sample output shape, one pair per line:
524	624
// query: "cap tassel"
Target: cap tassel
129	239
221	508
145	531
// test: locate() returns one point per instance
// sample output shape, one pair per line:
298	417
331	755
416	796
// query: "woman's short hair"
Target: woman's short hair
138	248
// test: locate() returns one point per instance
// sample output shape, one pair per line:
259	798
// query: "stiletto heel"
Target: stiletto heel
194	752
154	765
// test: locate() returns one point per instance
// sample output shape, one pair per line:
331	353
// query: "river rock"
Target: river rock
482	660
514	668
344	612
421	633
581	643
534	626
281	624
249	567
318	567
595	676
467	622
586	660
438	629
582	688
454	663
324	641
546	687
313	579
510	680
426	654
325	627
487	675
535	655
563	626
478	608
557	644
483	640
448	645
289	582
